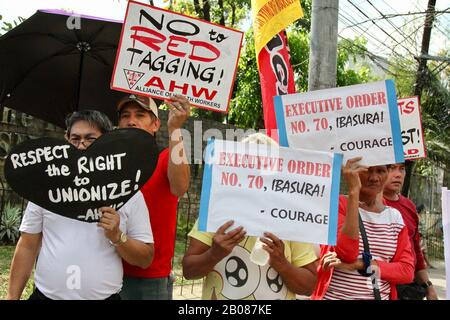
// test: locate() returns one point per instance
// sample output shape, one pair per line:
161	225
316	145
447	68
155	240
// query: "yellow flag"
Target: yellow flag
272	16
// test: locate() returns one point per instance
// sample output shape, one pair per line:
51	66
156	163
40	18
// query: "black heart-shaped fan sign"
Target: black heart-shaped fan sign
76	183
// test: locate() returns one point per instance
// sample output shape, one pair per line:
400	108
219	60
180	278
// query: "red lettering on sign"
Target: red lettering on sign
148	41
199	50
406	108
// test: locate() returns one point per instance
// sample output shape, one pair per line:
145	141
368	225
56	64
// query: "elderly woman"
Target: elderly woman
352	270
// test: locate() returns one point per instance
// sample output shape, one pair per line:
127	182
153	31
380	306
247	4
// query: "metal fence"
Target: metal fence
426	190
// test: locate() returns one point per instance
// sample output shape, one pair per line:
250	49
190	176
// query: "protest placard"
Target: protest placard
291	193
163	52
359	120
76	183
446	230
411	126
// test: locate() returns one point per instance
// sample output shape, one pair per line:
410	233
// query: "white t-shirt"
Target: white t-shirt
76	260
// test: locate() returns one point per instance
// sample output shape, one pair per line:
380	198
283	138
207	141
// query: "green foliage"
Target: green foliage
10	223
6	255
231	11
305	22
184	227
246	110
435	103
299	49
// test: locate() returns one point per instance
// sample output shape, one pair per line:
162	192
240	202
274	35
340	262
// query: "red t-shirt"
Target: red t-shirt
162	207
409	214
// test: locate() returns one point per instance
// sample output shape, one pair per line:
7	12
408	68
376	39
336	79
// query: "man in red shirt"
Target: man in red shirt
169	181
407	208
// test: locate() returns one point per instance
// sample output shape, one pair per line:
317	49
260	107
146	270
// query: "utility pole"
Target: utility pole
323	48
420	78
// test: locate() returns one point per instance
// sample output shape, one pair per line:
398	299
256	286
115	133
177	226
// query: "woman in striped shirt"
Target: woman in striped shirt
343	274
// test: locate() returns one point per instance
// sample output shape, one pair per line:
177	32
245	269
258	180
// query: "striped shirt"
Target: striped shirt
382	232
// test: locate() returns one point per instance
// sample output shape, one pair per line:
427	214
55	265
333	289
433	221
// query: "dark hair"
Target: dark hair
420	208
93	117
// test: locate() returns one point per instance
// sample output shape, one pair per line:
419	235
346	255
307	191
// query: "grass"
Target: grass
177	267
6	254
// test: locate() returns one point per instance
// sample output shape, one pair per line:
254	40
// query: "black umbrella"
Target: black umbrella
50	68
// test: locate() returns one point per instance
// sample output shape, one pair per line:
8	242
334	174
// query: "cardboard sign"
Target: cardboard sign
360	120
446	230
292	193
411	126
163	52
75	183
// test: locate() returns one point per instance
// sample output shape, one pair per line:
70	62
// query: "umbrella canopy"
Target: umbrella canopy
53	64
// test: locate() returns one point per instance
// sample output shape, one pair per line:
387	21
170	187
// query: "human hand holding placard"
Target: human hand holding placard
162	53
76	183
357	120
271	187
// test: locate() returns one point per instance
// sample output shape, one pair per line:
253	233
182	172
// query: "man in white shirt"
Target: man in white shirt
79	260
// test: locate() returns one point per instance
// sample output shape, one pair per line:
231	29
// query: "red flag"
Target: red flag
276	76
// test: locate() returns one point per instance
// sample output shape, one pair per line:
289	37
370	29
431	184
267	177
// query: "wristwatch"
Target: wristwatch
122	239
427	284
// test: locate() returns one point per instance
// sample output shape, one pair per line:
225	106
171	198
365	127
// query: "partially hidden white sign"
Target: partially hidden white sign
163	53
359	120
292	193
411	126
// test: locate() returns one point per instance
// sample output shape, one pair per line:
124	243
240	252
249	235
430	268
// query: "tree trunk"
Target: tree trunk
198	10
222	14
233	14
206	10
420	80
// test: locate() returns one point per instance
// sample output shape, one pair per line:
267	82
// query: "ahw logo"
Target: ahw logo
132	77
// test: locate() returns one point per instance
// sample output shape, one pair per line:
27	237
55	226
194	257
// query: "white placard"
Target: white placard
163	52
359	120
446	229
292	193
411	126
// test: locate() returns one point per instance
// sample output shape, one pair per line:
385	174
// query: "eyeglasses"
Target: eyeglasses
86	141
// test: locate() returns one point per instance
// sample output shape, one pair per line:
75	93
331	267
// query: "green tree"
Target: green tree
246	108
224	12
435	103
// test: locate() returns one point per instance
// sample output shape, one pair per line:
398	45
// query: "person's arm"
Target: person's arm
421	276
346	247
399	271
135	252
178	171
347	244
351	171
22	263
200	258
300	280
